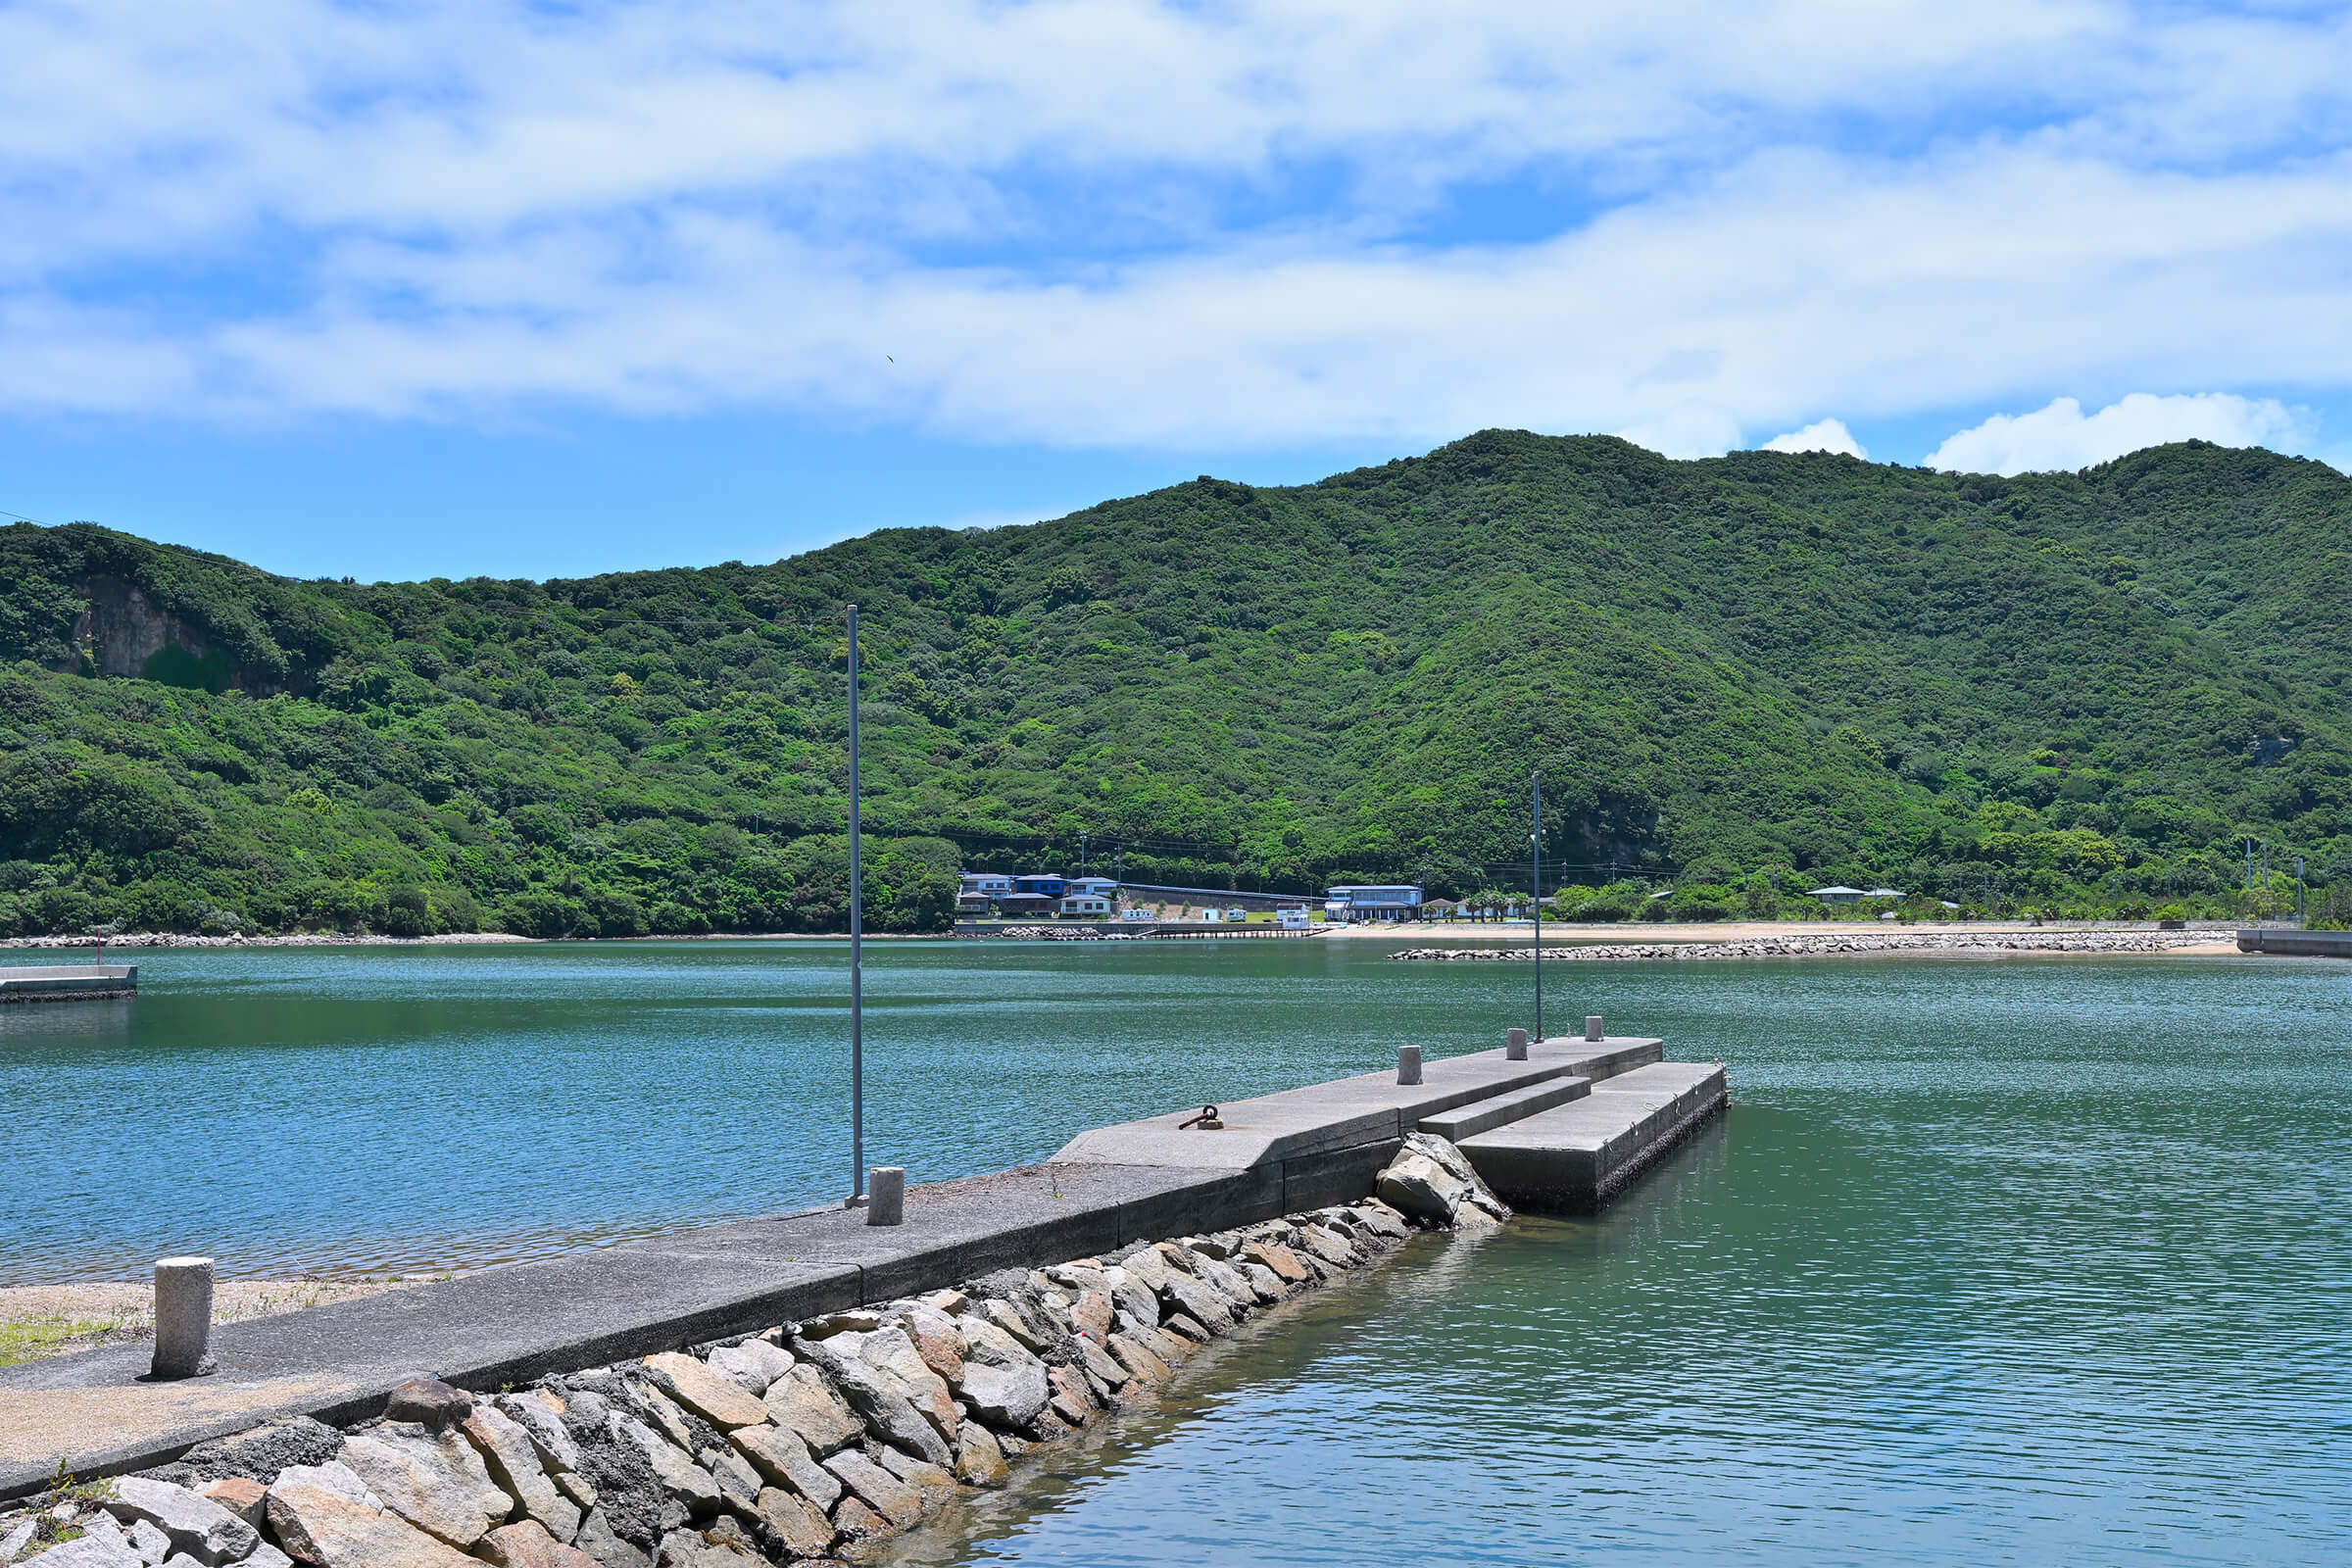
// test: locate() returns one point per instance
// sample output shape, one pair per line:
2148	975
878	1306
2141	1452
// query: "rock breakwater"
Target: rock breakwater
1806	946
794	1444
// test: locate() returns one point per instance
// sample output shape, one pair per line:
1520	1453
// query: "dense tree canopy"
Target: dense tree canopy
1734	675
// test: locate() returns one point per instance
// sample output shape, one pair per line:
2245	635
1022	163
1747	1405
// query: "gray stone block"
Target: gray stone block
184	1317
886	1196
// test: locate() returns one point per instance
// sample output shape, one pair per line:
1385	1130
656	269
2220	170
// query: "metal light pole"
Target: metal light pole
857	952
1536	840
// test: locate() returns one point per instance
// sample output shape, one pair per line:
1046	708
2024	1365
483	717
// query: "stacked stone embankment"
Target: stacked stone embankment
1797	947
792	1444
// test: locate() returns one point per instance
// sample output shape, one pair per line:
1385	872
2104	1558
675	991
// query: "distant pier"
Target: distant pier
69	981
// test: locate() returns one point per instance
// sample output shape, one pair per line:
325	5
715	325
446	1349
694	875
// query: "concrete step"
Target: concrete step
1575	1156
1469	1120
1597	1059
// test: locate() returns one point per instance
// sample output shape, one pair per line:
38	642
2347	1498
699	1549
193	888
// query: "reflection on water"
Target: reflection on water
1991	1262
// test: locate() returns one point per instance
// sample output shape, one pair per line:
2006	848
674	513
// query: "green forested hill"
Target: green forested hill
2068	688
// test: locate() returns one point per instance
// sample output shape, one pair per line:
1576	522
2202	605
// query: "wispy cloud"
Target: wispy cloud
1123	224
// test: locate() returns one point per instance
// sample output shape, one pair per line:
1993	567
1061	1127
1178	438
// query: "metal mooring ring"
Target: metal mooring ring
1206	1121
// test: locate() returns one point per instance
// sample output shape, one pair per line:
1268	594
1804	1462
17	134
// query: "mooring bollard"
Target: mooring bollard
1592	1026
886	1203
184	1317
1515	1045
1409	1064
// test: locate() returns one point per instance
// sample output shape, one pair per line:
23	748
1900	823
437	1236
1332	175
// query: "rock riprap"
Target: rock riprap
787	1445
1813	947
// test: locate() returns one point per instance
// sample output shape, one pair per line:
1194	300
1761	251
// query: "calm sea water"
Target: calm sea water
2023	1261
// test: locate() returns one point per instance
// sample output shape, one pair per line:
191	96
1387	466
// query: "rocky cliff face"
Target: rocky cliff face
123	633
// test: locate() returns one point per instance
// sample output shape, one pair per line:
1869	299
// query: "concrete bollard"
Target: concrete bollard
1515	1045
1592	1026
886	1200
1409	1064
184	1317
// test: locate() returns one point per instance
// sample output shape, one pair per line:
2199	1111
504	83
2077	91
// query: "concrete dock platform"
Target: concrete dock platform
69	982
1576	1156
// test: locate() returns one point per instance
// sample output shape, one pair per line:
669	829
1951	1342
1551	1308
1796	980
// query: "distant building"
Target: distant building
1100	886
1291	919
988	884
1024	906
975	905
1090	905
1045	885
1837	895
1390	901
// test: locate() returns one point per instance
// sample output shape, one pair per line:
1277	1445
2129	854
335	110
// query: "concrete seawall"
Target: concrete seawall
1141	1182
77	982
2297	944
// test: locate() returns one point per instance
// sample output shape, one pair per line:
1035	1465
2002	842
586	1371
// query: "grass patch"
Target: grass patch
29	1338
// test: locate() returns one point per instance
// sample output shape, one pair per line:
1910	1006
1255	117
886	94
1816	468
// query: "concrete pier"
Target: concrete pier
1576	1156
99	1412
2296	943
69	982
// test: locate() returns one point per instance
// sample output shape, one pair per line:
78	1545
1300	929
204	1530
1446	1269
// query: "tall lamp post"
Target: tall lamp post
1535	862
856	952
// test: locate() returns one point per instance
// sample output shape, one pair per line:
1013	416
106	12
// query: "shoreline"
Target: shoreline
1562	934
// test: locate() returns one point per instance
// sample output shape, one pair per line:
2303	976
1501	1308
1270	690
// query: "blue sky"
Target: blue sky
406	288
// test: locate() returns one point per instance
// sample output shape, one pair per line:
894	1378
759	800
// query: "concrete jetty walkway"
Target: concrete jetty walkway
97	1412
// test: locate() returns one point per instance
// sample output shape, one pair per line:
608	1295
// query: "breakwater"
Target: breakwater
805	1438
1260	1158
77	982
1802	947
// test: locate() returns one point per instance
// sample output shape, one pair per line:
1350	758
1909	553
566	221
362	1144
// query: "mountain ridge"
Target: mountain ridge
1755	669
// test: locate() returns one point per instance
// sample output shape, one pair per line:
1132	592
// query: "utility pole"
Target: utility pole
1535	862
856	952
2298	890
1082	853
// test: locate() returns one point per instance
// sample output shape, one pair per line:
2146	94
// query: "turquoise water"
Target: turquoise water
2038	1261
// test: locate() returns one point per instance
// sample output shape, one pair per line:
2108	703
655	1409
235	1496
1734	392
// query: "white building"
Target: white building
1387	901
1086	905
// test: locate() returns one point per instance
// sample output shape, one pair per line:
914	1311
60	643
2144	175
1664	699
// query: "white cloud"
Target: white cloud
1822	435
2062	436
1126	224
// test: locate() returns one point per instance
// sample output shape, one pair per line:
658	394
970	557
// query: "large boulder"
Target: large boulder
877	1394
512	1460
192	1524
327	1530
1007	1397
784	1459
528	1545
1431	1181
798	1524
802	1401
434	1480
894	1499
717	1399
